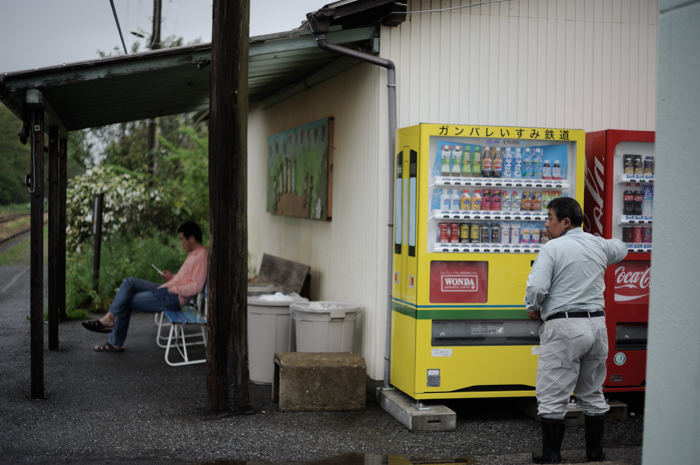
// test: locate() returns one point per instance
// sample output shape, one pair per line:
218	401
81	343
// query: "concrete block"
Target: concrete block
319	381
574	416
431	417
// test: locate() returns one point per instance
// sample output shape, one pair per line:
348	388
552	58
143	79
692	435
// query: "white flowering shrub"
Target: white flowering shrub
131	205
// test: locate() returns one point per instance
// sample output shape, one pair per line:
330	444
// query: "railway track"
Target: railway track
12	217
15	234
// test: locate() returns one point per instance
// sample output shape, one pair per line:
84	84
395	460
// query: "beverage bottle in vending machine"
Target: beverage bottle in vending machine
525	236
455	201
556	170
638	200
526	204
515	233
466	200
628	166
476	200
456	160
445	204
445	155
536	202
476	162
518	164
515	202
527	164
546	198
505	233
648	195
486	200
535	236
466	161
537	164
486	163
628	200
505	201
496	200
546	170
507	171
497	163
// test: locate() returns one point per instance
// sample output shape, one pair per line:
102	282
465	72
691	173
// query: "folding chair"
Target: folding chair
187	316
162	339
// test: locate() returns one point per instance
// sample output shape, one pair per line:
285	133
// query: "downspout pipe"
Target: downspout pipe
320	25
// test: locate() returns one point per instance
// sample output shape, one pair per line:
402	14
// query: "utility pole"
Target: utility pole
153	122
227	345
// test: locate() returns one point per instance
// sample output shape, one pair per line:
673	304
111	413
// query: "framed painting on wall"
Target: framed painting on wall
299	168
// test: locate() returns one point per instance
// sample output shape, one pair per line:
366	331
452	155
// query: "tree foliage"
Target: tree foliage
15	158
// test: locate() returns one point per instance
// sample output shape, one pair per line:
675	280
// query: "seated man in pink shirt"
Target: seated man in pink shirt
144	296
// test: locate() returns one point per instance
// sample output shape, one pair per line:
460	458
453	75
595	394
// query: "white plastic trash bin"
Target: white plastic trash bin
324	326
269	331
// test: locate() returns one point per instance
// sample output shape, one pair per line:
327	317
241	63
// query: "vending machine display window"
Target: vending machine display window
491	195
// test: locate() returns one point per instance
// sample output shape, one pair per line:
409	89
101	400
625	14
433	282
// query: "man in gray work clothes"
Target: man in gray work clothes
565	290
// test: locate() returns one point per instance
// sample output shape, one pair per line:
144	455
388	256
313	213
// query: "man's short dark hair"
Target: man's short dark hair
567	207
190	229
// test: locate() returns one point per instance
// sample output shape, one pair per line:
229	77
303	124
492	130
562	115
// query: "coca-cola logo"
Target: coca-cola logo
632	282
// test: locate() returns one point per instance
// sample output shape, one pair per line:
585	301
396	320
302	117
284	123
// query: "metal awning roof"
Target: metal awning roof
176	80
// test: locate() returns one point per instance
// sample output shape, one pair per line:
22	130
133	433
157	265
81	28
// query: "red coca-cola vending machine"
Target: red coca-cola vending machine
618	202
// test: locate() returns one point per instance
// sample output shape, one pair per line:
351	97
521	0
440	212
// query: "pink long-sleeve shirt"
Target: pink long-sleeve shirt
191	276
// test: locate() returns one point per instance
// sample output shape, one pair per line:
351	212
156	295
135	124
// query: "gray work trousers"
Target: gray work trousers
572	360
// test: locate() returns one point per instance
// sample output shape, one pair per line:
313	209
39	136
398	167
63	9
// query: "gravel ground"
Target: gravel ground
133	408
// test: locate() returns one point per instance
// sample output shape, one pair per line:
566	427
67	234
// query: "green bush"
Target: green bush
121	257
133	203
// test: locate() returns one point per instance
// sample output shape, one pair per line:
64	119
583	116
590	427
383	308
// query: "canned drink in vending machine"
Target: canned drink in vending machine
535	236
444	232
505	233
454	232
495	233
474	233
637	234
627	234
485	233
525	236
638	165
464	233
646	234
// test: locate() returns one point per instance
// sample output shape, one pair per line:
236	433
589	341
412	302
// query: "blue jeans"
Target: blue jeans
141	296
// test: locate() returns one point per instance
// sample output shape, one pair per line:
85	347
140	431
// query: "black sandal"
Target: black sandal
97	326
107	347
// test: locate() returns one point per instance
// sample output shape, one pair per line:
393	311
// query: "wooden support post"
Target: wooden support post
36	256
54	206
61	245
227	347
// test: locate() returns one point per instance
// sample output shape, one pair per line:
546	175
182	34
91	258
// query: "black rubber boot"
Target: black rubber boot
595	427
552	436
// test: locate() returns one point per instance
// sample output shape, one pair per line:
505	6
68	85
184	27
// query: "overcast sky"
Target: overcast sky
41	33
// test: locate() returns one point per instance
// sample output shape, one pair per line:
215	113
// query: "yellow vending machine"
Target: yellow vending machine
470	208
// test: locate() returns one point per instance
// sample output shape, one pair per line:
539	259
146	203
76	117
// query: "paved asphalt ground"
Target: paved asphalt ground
133	408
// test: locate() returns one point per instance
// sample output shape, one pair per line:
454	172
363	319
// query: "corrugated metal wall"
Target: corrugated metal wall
580	64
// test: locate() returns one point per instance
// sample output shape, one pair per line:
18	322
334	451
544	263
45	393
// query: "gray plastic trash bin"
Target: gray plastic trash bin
269	331
325	326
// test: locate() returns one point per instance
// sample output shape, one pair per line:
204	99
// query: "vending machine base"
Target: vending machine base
416	415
